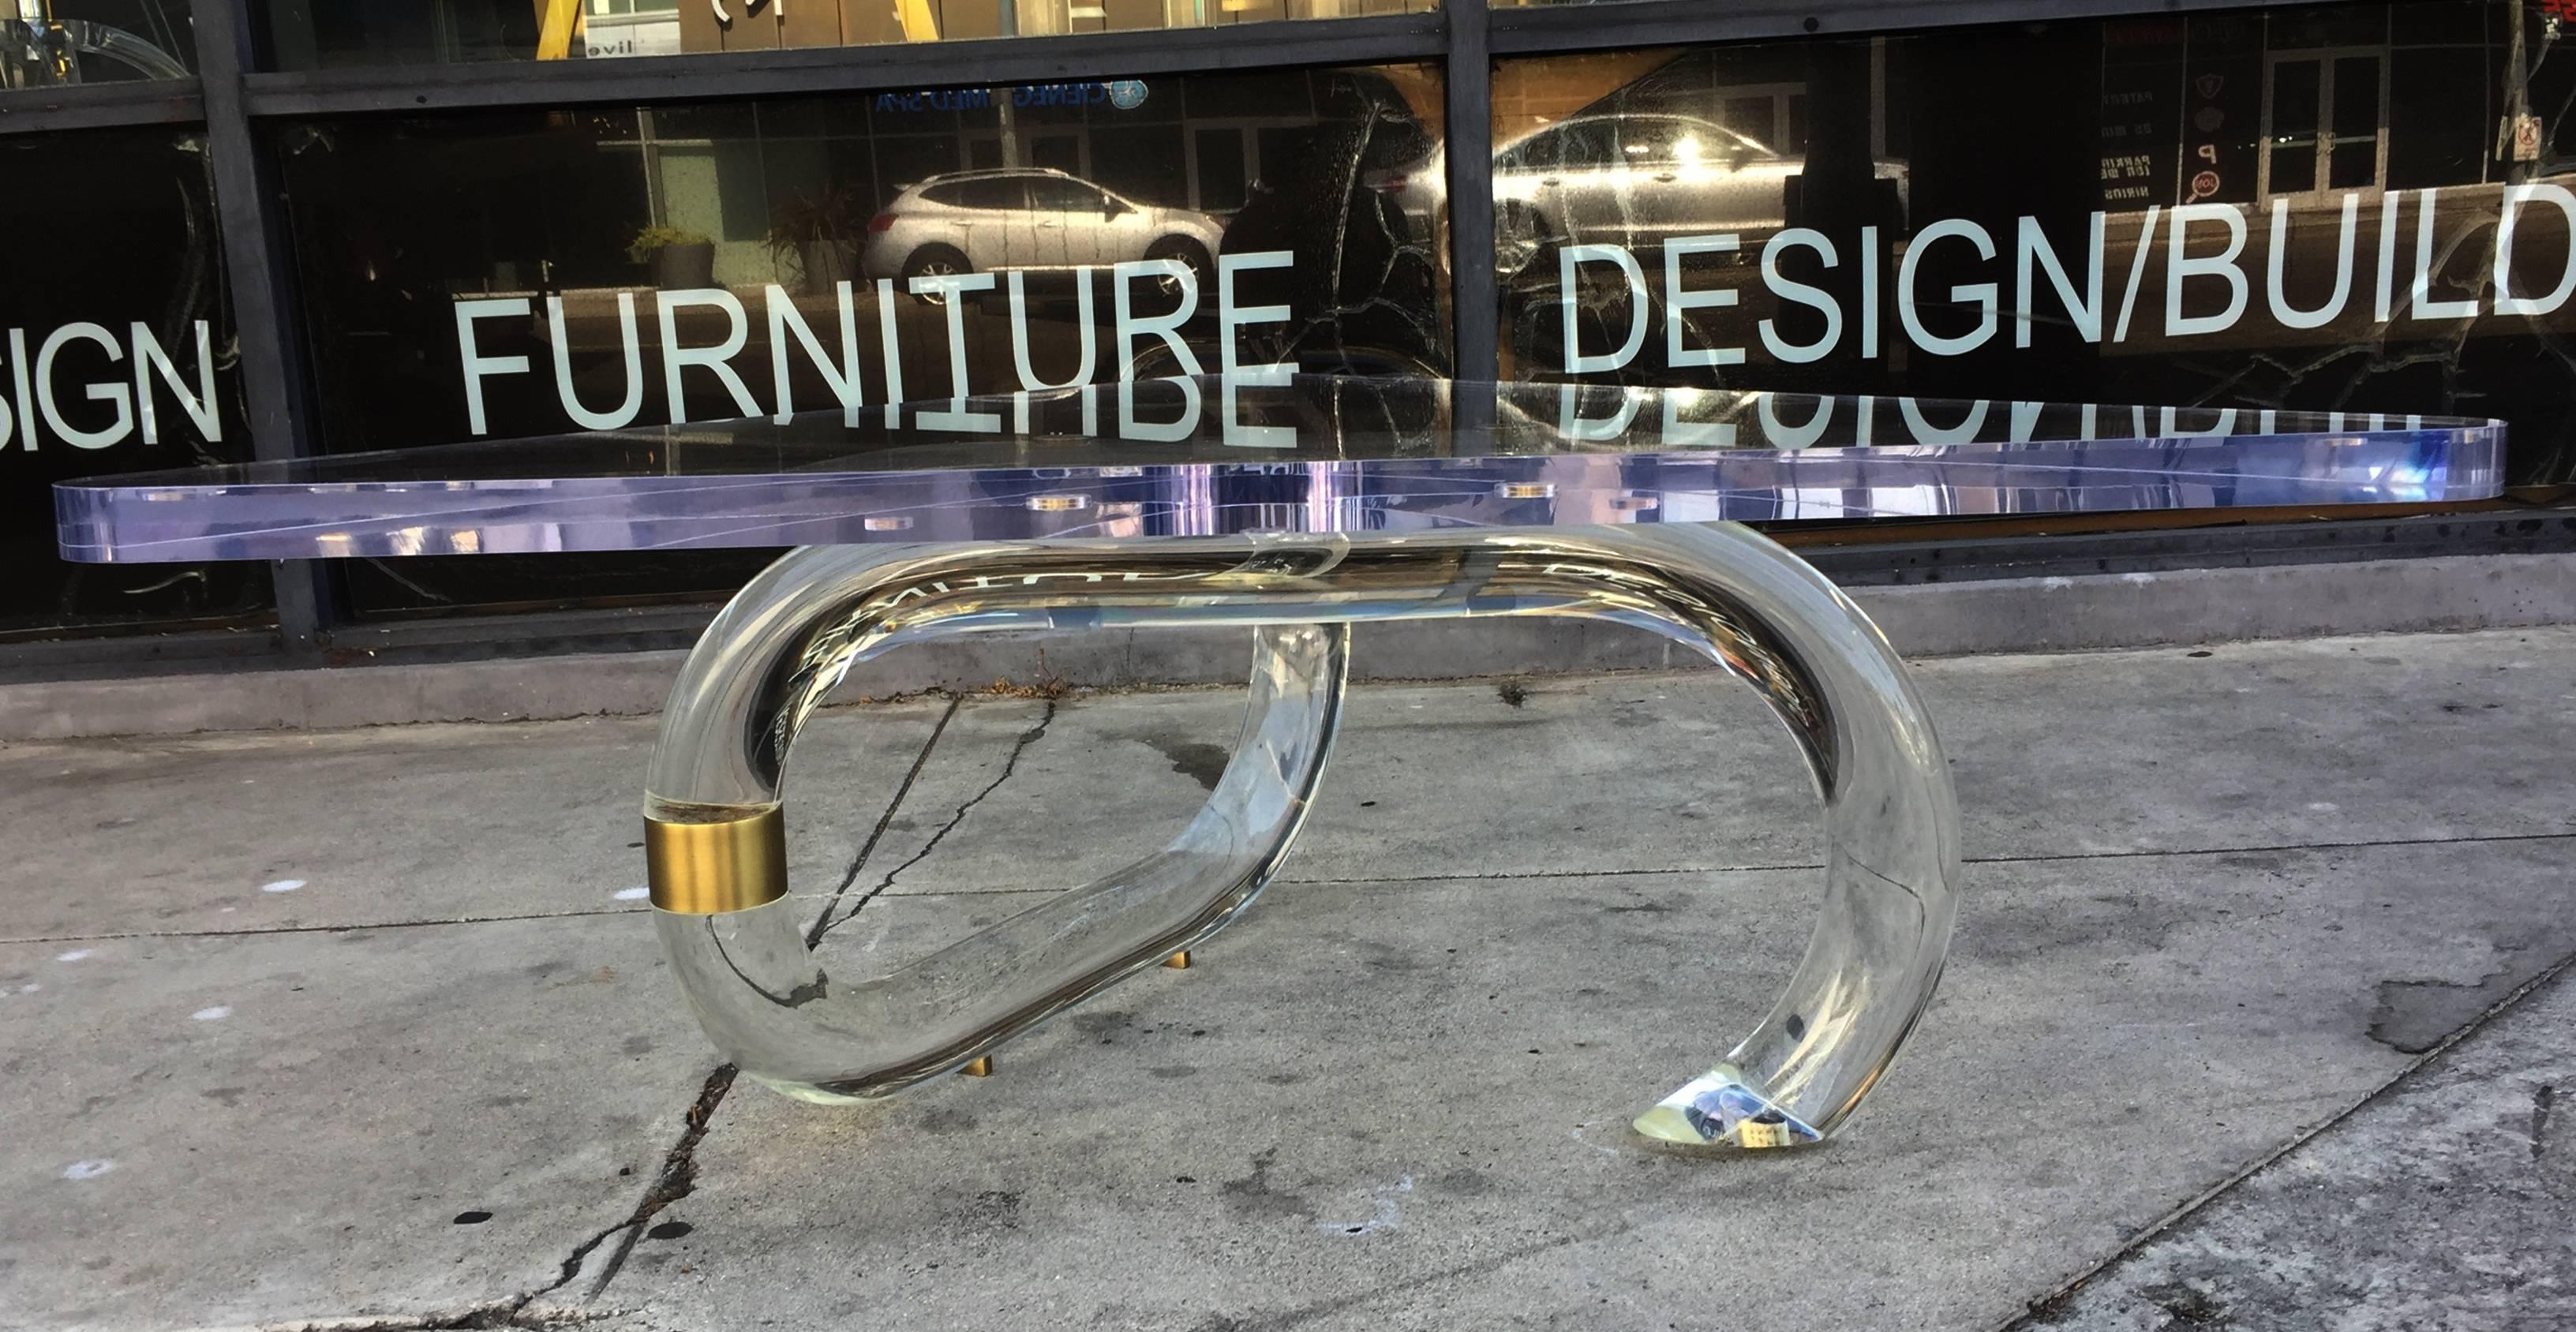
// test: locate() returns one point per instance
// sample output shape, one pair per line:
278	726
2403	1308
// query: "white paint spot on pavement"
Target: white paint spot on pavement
214	1014
74	955
1389	1216
2054	584
2140	579
29	988
87	1169
2322	807
282	886
633	894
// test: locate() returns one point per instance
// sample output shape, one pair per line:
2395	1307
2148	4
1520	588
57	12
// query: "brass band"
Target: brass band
706	869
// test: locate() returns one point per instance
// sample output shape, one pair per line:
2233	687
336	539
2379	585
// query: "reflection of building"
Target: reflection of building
631	28
770	23
1189	144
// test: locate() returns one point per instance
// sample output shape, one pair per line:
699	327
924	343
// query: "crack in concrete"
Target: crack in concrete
679	1174
679	1178
2055	1306
1009	765
822	919
497	1314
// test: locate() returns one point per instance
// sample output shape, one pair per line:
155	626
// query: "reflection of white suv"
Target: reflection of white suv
980	221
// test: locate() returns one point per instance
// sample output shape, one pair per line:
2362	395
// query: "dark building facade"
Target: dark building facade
324	226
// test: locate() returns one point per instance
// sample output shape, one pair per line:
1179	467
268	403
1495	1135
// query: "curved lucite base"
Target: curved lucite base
738	948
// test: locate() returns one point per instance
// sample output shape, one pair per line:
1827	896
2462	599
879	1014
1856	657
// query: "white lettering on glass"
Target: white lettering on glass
1983	293
785	320
1165	326
2515	196
2290	316
1230	320
711	359
201	407
951	289
475	363
632	344
114	391
2030	249
1568	259
2423	305
1800	293
2179	266
1677	302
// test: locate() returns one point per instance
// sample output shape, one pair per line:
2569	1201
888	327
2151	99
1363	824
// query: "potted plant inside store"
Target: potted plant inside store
681	259
822	231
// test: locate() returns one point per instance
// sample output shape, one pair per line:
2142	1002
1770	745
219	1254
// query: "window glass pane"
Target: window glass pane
994	192
2294	167
2295	90
1221	169
116	355
321	34
1064	195
2356	96
1941	222
55	43
472	275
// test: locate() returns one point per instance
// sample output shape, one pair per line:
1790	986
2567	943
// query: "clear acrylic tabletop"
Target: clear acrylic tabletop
1312	454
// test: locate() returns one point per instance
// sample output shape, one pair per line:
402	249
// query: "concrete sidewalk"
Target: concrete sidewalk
2254	1020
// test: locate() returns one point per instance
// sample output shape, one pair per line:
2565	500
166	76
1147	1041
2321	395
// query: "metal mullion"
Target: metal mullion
101	106
255	269
982	62
1550	28
1474	304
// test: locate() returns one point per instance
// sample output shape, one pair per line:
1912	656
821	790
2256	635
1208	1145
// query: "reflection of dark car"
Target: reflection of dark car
1365	293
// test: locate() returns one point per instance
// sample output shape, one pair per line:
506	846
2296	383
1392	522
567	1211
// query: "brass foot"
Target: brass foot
1179	961
981	1067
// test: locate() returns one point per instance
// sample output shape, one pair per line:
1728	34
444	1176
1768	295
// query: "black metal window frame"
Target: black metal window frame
232	98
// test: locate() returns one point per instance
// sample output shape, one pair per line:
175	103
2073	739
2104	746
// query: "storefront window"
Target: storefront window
2361	208
55	43
516	274
116	355
311	34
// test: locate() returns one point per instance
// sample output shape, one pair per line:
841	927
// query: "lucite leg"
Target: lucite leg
715	828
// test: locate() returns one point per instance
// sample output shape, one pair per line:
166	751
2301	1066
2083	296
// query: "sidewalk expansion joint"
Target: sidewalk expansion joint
2050	1309
2151	853
1471	876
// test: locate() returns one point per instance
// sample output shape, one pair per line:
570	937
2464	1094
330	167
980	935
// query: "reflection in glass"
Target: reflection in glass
53	43
2314	208
116	356
322	33
1315	454
816	254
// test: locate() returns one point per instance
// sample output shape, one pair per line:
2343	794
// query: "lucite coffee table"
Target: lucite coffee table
1296	507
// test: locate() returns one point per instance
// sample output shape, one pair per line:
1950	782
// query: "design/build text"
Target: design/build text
36	387
2032	256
